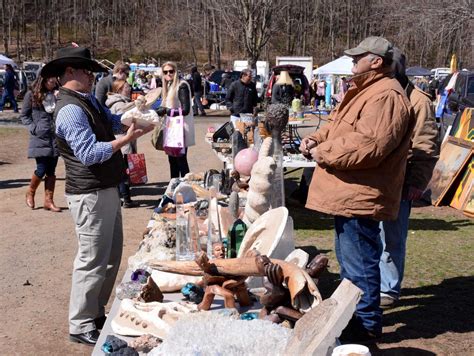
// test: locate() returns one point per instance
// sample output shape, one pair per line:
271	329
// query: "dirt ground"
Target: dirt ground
37	249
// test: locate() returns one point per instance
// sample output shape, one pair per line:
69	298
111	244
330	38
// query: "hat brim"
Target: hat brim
55	67
356	51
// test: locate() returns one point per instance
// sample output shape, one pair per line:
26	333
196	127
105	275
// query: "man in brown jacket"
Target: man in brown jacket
421	161
361	156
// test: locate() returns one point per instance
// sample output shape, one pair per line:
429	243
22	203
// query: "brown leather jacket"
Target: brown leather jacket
362	153
424	152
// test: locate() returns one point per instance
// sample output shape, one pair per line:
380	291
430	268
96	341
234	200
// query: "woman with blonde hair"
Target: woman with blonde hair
283	90
176	95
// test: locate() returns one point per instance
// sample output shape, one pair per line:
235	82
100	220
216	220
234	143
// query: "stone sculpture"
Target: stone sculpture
260	185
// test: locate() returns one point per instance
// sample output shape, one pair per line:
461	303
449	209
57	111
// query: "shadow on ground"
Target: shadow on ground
422	313
438	224
429	311
13	183
397	351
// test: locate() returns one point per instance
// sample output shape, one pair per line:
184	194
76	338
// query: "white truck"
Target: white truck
263	71
306	62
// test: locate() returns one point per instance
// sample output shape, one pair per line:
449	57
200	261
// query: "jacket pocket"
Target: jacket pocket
43	129
32	129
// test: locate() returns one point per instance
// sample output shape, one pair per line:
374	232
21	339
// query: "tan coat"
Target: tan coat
362	153
425	148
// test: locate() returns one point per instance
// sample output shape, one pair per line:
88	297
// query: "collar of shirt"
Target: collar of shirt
89	97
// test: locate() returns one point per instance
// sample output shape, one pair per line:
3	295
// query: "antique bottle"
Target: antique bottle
213	230
193	233
182	242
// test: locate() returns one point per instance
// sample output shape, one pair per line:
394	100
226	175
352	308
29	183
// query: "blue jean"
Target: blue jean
394	239
358	249
46	166
197	103
7	95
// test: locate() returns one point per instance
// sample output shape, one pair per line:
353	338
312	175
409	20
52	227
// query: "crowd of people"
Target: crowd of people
383	127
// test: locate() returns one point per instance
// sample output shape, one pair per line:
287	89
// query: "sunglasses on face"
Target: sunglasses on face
165	72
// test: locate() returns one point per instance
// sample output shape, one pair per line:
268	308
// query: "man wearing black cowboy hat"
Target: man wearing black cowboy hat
86	141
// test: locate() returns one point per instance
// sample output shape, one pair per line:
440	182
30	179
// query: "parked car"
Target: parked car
302	87
216	76
24	78
216	79
461	96
440	73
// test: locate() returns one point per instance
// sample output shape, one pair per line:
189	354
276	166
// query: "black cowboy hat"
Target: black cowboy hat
76	57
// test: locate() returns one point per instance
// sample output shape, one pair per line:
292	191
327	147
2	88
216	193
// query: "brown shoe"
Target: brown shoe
30	193
49	184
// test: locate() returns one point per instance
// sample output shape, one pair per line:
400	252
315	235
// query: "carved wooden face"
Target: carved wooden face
218	250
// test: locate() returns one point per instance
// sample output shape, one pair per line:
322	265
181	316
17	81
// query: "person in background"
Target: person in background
9	85
283	91
177	95
242	96
197	88
422	158
226	81
368	138
121	71
37	113
320	92
117	100
94	166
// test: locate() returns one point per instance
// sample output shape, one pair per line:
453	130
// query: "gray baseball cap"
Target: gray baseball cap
376	45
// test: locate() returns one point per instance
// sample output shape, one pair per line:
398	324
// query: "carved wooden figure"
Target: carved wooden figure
230	288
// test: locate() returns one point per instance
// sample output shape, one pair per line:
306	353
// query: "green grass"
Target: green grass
438	247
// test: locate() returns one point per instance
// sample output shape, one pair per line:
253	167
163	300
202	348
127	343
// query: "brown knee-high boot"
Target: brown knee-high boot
30	193
49	183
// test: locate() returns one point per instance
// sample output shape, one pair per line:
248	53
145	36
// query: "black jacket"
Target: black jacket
183	96
103	87
282	94
241	98
41	127
197	83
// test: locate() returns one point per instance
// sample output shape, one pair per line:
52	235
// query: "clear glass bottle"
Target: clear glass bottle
193	233
213	230
182	242
278	186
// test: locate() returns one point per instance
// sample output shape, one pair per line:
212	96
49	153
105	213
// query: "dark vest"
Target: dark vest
82	179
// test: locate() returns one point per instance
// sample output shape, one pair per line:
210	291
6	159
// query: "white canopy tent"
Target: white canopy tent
5	60
340	66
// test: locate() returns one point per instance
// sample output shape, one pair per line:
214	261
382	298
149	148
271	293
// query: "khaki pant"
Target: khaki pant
98	220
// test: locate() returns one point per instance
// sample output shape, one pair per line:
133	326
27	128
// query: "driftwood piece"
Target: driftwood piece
288	313
317	266
211	292
303	291
315	333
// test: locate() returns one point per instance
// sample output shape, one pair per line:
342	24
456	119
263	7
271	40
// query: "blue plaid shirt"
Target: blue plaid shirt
73	126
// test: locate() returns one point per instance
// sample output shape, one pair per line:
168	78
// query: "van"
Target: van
302	87
440	73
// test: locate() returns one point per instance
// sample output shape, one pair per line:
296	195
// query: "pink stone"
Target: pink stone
244	161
